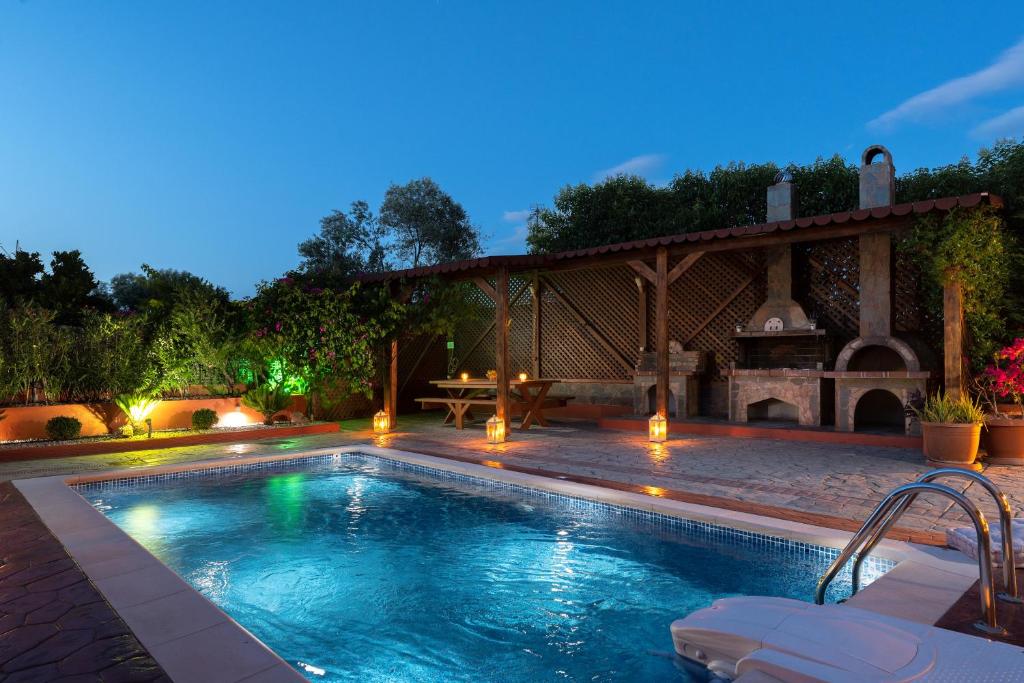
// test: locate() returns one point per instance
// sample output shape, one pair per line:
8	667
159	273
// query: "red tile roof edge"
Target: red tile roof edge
533	260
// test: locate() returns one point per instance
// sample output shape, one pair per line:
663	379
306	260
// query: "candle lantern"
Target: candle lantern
495	430
381	422
464	376
522	376
657	428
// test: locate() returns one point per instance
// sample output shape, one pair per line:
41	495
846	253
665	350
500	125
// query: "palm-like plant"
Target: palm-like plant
137	406
267	400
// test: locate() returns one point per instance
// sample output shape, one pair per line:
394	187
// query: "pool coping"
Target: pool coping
192	639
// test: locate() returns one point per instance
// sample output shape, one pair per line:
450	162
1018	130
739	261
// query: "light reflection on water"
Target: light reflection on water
381	575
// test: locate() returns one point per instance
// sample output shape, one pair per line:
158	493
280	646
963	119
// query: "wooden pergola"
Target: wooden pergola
659	262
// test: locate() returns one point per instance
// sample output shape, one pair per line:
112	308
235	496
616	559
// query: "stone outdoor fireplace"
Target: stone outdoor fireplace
780	375
877	376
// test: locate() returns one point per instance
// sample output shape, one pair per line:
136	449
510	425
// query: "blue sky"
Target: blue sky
212	136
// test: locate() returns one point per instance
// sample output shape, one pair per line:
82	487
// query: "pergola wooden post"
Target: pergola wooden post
535	332
501	355
392	393
641	313
952	338
661	330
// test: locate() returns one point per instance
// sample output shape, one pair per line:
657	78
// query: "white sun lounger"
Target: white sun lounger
748	638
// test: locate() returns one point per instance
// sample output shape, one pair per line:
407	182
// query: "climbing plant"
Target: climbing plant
973	250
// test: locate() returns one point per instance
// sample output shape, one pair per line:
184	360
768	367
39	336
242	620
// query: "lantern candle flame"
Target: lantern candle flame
657	428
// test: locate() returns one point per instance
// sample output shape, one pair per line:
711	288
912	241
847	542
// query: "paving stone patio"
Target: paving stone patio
837	481
54	624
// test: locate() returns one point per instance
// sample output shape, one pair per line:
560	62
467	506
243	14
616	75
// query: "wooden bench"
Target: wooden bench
458	408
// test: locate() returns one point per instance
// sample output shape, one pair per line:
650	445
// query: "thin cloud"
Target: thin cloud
516	216
638	165
1006	72
1010	124
517	238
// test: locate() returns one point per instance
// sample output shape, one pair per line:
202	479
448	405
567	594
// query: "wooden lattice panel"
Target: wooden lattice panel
705	303
827	284
912	319
589	324
475	337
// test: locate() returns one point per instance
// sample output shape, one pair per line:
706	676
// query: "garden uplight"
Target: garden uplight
235	418
495	430
381	422
657	428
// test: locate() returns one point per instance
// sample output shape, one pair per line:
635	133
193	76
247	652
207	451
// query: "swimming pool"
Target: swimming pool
359	568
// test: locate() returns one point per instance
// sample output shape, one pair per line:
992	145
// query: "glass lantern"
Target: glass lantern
657	428
381	422
495	430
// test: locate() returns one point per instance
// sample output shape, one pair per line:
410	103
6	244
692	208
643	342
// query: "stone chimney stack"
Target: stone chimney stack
782	205
877	180
877	188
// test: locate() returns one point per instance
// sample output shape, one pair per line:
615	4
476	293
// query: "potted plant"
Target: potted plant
951	428
1004	381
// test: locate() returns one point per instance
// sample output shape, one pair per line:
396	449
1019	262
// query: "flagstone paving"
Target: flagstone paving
833	480
54	624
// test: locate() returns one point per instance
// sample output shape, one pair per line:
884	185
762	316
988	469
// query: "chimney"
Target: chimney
877	180
877	188
779	304
782	198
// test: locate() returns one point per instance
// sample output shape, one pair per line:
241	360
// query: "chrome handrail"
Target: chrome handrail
881	513
1011	593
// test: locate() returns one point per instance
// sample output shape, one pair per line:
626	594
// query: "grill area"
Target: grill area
779	376
782	373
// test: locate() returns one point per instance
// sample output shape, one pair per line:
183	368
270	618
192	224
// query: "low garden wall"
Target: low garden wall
29	422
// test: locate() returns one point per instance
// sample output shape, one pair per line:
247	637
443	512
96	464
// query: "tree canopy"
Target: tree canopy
427	225
66	288
155	288
348	243
624	208
418	224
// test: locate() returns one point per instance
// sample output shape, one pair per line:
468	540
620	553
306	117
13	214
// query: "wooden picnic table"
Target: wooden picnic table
530	395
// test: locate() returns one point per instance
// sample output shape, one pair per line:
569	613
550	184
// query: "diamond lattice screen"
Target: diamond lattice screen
589	318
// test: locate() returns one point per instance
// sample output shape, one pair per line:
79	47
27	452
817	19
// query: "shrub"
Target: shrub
942	407
137	407
266	400
63	428
204	418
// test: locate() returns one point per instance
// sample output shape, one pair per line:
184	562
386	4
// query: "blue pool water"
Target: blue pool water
372	572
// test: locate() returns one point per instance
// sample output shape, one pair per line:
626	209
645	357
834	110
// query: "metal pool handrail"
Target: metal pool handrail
881	514
1011	593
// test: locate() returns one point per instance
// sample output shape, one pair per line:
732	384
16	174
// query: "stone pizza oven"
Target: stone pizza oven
780	375
877	376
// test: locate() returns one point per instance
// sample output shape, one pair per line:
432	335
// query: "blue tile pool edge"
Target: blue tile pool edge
700	529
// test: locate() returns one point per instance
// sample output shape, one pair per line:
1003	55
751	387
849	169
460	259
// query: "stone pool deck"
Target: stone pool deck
825	484
55	626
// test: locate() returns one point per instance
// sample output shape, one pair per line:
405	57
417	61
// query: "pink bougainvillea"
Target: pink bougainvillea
1004	379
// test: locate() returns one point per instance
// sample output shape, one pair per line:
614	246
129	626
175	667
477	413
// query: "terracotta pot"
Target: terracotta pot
946	443
1004	441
